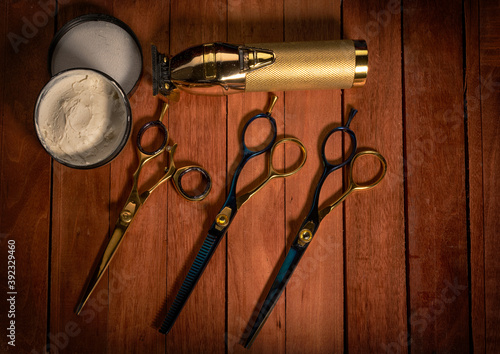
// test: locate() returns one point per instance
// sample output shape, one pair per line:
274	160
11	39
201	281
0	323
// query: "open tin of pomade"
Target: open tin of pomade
82	115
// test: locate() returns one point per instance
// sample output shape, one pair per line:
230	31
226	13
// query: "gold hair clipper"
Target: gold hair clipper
218	69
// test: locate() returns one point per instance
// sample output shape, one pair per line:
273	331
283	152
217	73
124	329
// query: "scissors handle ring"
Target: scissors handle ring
271	120
303	151
177	178
332	167
368	185
148	125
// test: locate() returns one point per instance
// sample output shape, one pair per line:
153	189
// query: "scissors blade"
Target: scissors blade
200	263
288	267
108	254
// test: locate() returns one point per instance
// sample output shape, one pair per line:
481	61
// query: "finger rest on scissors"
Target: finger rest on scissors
181	172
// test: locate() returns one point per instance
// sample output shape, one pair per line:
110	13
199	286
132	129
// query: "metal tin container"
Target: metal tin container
83	118
82	115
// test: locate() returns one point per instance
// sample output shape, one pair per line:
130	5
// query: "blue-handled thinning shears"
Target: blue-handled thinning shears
311	222
228	212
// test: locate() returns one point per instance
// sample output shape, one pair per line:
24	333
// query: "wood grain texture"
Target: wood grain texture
137	276
255	241
374	220
315	294
198	125
24	174
490	100
413	261
435	157
5	43
80	228
475	176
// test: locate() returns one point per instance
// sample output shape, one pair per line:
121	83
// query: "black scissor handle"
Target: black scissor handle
144	128
181	172
248	153
335	166
343	129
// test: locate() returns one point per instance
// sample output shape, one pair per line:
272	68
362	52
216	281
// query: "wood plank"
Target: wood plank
198	125
375	236
315	294
490	100
80	228
438	167
255	241
435	170
475	176
26	29
139	269
7	42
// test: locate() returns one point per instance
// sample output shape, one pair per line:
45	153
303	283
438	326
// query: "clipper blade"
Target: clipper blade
161	82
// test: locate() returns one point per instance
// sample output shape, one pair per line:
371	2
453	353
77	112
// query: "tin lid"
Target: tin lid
100	42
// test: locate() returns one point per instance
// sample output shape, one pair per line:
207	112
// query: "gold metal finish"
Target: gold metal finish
272	102
352	185
126	216
223	218
361	71
222	68
306	66
272	172
305	236
216	68
209	62
164	110
132	206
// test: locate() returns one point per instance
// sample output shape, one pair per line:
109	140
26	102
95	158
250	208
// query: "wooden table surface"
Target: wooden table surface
410	266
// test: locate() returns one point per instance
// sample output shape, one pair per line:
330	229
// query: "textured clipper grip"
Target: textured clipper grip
336	64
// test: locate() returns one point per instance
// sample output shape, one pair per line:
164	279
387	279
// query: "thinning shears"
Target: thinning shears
136	200
311	222
228	211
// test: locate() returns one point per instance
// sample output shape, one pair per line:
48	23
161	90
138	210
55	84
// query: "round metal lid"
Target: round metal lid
100	42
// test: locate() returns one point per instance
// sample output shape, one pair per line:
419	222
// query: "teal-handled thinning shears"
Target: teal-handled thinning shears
136	200
228	211
311	222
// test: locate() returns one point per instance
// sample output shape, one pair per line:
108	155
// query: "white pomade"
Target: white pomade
82	117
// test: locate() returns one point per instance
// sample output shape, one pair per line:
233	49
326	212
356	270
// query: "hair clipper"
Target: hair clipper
221	68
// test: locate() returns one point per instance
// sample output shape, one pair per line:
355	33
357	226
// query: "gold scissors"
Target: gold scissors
136	200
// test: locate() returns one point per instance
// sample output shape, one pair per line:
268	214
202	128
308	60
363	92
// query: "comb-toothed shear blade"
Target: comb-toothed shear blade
202	258
289	264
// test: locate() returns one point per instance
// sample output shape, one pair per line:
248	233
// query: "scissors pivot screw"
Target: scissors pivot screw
305	236
222	220
126	216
